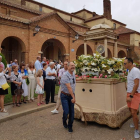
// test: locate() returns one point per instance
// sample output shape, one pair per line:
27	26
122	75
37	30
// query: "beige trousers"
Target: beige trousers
31	88
58	99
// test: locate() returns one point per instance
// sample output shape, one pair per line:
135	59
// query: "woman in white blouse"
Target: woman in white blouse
3	81
31	76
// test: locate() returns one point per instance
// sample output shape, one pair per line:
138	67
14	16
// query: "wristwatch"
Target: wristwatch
131	96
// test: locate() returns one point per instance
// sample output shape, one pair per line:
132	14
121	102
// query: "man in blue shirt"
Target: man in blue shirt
43	61
38	64
68	82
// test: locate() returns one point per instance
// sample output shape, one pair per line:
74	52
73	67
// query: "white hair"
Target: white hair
51	63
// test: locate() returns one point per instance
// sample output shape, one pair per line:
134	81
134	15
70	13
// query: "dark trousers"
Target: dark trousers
50	90
68	108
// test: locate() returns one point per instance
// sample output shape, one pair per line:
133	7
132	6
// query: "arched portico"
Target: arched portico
121	54
80	50
53	49
13	48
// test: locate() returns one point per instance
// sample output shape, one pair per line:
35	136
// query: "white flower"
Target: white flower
110	62
93	64
95	69
85	62
109	71
104	66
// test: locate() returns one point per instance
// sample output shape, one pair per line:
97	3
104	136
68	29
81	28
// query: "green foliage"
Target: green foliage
3	60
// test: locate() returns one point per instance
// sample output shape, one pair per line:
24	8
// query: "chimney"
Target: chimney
107	9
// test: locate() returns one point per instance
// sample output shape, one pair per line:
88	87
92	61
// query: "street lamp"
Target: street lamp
76	38
37	29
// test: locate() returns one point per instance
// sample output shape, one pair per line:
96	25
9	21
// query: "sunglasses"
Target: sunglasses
73	81
125	63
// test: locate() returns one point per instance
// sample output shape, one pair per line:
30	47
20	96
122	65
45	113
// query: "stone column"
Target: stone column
116	49
85	48
105	45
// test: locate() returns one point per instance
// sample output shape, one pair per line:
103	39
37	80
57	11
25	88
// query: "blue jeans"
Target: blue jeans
68	108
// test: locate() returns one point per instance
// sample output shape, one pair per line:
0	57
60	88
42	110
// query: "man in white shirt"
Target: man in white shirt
61	73
133	92
50	83
38	64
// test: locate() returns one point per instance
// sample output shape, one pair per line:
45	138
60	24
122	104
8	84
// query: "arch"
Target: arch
121	54
109	54
53	49
80	50
13	48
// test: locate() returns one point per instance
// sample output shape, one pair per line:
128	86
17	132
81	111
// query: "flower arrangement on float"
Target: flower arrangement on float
97	66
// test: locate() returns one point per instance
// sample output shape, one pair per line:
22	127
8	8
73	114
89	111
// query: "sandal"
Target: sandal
38	104
42	103
17	105
3	110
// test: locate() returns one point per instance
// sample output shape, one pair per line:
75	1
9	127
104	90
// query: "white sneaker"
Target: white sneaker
132	125
55	111
136	134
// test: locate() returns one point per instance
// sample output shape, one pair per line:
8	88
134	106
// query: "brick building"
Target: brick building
58	29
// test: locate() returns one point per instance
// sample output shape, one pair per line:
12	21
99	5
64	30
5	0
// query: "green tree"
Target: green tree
3	60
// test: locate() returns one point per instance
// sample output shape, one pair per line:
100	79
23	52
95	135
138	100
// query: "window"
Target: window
70	18
114	25
40	9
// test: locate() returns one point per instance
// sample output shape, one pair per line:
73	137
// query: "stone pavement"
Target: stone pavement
14	112
43	125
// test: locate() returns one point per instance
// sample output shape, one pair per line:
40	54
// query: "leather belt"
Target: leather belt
51	79
65	93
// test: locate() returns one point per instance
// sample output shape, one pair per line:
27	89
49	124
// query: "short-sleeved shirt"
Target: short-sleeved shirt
61	72
132	75
51	71
65	79
58	67
38	65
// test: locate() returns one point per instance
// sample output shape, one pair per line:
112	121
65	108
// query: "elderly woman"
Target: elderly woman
3	81
16	82
24	74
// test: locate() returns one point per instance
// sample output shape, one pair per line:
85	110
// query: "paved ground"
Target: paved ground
24	109
42	125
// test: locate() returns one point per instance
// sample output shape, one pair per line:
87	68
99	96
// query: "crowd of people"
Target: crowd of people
27	79
40	77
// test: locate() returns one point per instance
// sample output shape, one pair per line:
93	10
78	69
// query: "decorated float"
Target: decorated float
101	97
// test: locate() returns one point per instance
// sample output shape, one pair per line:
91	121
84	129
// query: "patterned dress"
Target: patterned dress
39	90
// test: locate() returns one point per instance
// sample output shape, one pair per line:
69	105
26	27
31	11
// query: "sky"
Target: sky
125	11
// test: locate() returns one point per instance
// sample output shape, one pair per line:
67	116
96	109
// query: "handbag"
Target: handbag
5	86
